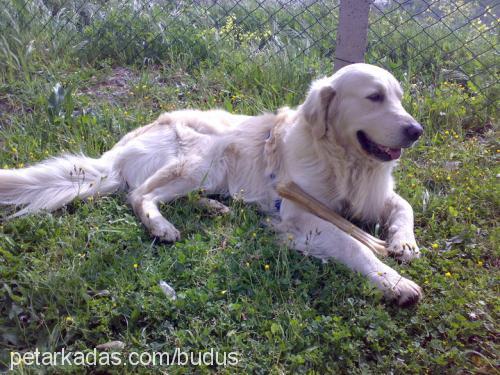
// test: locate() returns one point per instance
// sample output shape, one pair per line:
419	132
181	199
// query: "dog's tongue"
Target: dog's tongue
394	153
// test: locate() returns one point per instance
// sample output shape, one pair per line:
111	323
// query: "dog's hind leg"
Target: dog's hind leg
165	185
172	181
213	206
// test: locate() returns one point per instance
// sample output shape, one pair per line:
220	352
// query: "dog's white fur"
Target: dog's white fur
314	145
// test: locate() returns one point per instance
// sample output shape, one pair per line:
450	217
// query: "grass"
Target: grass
89	273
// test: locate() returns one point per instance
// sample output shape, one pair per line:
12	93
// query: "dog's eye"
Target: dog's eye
375	97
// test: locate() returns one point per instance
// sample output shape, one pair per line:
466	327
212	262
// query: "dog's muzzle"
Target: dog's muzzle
411	133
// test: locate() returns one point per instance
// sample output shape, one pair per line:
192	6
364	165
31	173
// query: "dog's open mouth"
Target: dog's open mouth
383	153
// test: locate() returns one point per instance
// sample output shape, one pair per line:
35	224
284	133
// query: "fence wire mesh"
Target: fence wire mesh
425	42
453	42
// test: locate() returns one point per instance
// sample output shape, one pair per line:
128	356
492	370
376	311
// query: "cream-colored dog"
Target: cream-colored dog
340	146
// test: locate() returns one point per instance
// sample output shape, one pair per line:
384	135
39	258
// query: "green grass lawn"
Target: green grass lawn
89	273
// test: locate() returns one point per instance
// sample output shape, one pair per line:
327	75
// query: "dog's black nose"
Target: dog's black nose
413	131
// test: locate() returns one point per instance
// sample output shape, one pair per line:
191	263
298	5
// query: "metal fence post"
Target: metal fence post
352	32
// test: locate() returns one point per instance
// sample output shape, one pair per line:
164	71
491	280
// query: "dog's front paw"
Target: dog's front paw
405	292
404	249
399	289
165	231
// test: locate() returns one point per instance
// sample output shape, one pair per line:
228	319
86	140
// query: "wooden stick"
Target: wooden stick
294	193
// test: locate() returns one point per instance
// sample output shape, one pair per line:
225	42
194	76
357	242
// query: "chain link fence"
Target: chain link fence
425	42
455	42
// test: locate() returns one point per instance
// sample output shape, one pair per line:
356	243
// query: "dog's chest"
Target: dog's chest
360	194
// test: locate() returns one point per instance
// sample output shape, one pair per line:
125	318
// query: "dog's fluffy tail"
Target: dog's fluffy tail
55	182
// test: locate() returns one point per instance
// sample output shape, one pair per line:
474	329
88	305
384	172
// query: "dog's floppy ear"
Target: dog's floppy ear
316	109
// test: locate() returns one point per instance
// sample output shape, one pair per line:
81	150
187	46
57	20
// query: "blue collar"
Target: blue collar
277	204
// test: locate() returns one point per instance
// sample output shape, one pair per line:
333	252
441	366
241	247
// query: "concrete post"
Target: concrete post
352	32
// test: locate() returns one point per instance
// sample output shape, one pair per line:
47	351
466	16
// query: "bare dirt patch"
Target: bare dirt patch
7	108
113	87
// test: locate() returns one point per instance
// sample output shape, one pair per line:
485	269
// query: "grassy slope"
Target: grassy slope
238	290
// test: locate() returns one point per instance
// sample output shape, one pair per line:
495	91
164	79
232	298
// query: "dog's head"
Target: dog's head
360	108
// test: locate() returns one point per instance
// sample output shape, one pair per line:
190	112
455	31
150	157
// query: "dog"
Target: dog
340	146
